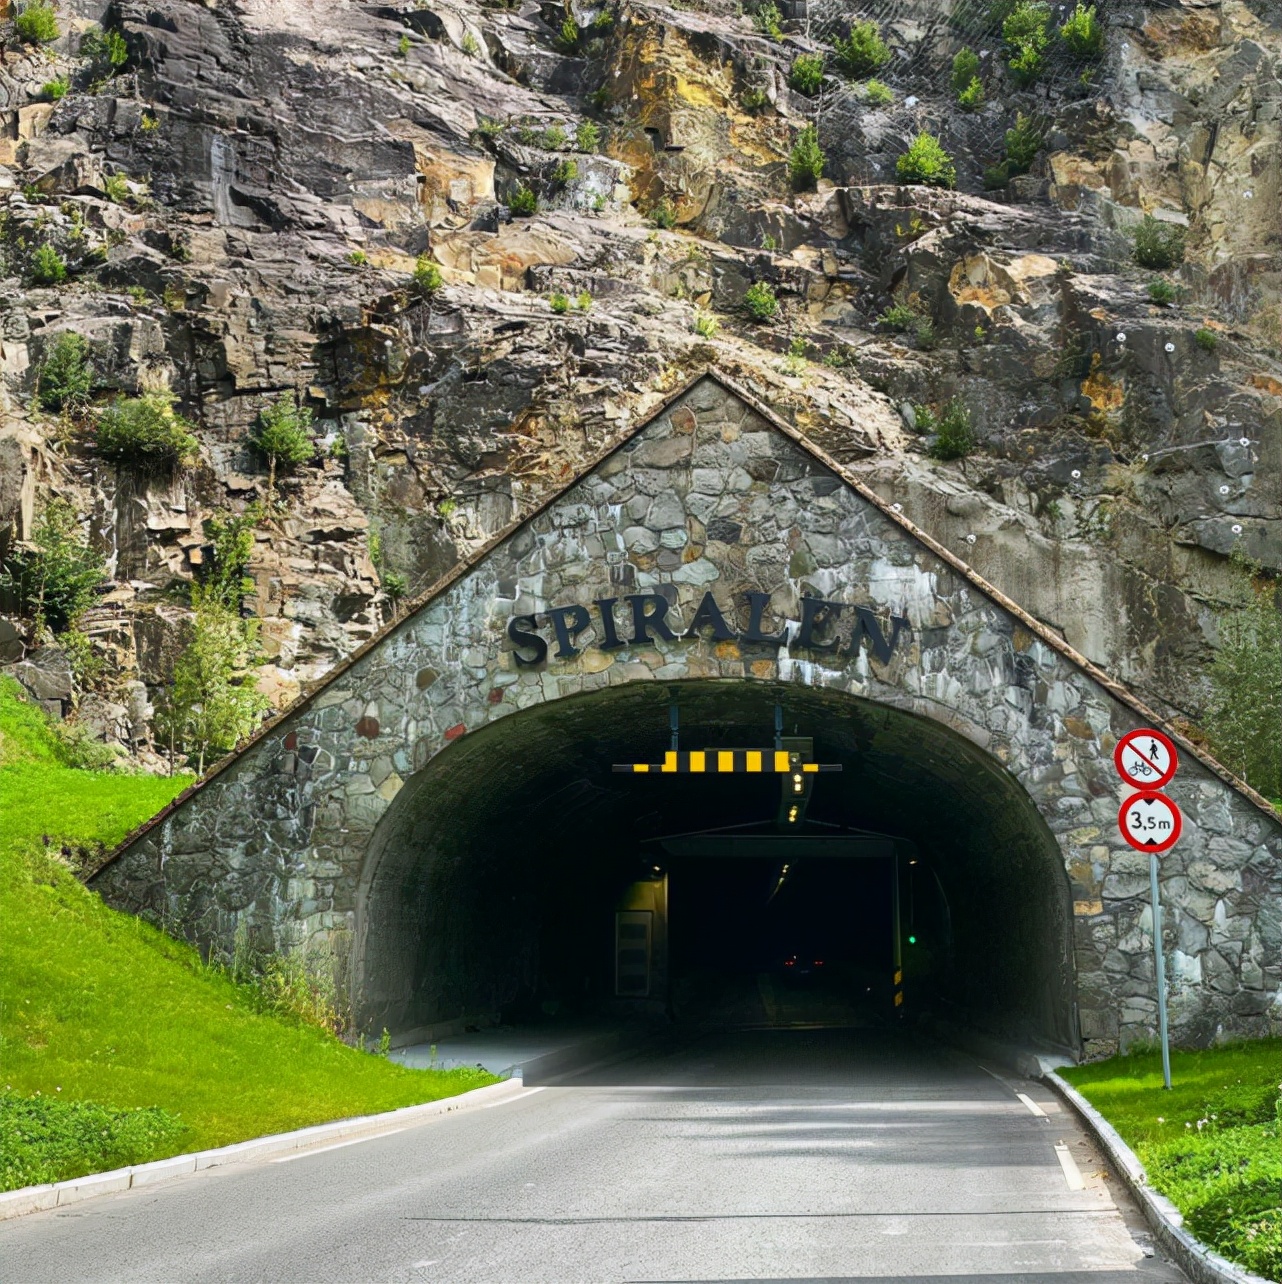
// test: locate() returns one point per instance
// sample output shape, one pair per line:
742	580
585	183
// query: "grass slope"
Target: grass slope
1212	1144
99	1007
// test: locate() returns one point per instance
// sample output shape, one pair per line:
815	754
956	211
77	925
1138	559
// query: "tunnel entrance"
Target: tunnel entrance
518	876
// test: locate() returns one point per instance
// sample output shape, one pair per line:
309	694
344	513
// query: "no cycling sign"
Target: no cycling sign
1145	759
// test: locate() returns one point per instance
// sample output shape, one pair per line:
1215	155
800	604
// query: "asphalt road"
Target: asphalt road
785	1154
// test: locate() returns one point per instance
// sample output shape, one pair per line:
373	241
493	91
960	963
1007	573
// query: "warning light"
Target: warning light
912	940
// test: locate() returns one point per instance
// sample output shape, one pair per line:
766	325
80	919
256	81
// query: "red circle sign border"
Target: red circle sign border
1167	843
1167	743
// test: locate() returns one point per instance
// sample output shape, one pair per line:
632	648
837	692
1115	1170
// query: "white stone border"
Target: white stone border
1193	1257
34	1199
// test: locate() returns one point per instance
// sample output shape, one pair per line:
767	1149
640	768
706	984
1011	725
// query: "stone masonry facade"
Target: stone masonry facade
712	495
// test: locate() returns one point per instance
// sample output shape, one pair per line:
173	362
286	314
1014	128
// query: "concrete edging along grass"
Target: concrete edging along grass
1193	1257
34	1199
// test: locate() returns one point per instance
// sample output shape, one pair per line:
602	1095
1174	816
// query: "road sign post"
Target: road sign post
1151	822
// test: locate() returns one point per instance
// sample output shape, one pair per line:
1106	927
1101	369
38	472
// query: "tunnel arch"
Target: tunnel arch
501	829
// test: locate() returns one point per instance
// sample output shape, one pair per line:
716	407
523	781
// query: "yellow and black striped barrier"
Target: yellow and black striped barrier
727	761
899	993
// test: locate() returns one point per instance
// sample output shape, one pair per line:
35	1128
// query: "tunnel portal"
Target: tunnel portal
505	879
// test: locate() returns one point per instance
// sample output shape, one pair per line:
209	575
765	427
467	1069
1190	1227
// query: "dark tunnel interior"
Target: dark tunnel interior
519	877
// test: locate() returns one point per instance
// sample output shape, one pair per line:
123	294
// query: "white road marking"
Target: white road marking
529	1092
1072	1174
1033	1107
337	1145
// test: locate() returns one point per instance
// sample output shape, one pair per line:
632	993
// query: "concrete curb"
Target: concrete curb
34	1199
1193	1257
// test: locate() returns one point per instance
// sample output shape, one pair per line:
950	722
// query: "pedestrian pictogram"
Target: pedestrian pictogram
1145	759
1150	821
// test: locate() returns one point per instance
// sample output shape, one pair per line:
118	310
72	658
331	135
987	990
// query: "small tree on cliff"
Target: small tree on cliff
283	436
214	701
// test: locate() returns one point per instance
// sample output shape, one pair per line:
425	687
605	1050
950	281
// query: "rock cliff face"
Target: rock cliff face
287	162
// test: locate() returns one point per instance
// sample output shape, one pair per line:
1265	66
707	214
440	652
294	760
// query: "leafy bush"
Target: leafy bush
1159	245
767	20
664	214
972	97
403	46
55	573
56	90
116	186
65	379
755	100
558	302
1206	339
587	137
1023	142
584	301
283	437
523	202
427	276
876	94
470	45
1026	31
806	75
106	48
554	138
1163	293
926	162
760	303
48	1139
566	171
705	325
145	432
995	177
232	535
806	160
966	67
1082	32
954	439
358	258
863	51
37	24
569	35
899	318
47	266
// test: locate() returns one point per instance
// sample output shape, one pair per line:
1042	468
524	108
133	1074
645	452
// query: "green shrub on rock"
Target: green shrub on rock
65	379
47	266
972	97
523	202
807	74
966	67
862	52
587	137
876	94
806	160
767	19
1026	32
427	276
1023	142
953	439
1163	293
1082	32
927	163
145	433
760	302
1157	244
1206	339
37	24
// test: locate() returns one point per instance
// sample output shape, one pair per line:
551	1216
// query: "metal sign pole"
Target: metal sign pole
1159	963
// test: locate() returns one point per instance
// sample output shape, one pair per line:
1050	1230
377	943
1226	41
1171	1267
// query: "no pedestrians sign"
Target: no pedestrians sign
1145	759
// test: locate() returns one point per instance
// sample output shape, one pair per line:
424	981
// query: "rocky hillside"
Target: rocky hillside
239	195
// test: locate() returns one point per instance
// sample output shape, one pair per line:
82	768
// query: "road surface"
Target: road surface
772	1154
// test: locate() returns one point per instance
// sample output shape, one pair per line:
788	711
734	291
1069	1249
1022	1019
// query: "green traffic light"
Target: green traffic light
912	940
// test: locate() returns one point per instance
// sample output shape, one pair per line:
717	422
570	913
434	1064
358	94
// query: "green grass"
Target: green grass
98	1007
1211	1144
